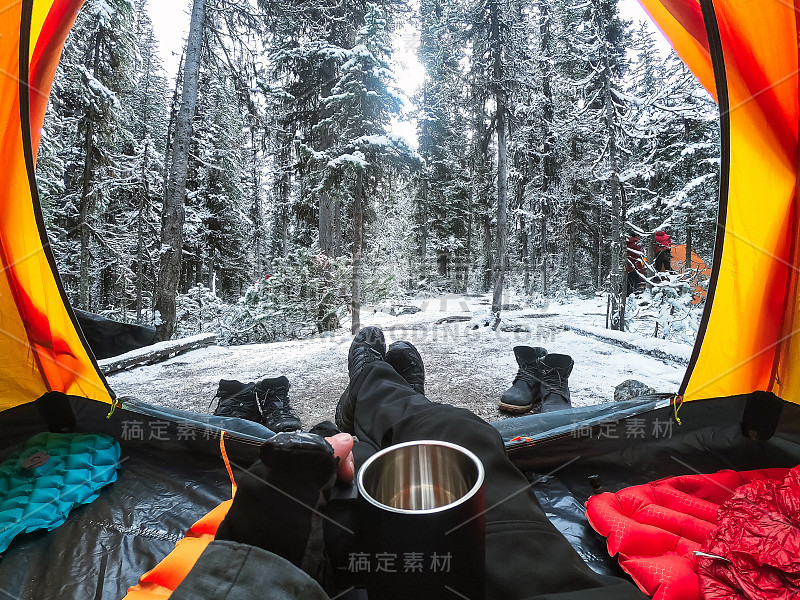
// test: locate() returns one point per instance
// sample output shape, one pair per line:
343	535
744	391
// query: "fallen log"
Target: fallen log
155	353
454	319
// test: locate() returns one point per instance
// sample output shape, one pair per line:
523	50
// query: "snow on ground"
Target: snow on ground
464	366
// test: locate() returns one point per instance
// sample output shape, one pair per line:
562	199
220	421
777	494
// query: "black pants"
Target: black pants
634	280
663	261
526	556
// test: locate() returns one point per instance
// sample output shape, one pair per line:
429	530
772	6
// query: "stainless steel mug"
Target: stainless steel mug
423	522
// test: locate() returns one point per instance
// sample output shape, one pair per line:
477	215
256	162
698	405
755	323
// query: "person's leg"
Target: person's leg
662	261
630	280
526	557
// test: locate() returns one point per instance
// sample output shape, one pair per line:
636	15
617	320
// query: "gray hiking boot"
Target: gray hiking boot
555	370
525	392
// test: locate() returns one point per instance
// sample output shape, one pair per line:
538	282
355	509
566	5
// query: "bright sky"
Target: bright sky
171	25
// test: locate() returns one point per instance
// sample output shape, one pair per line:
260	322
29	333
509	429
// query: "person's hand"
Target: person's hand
343	449
280	500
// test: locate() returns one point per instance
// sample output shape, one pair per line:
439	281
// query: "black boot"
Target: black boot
273	400
407	362
279	501
556	369
368	346
525	393
237	399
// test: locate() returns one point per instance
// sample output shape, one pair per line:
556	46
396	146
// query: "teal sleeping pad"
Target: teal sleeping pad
50	475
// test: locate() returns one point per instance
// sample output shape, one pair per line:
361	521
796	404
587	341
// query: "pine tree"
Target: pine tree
361	104
88	124
216	207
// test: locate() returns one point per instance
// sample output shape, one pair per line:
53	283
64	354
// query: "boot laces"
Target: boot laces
528	375
276	403
281	412
239	398
552	380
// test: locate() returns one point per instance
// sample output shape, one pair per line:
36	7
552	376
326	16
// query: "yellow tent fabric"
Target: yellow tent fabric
41	347
750	340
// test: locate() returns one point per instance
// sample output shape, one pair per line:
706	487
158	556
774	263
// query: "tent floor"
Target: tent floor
172	474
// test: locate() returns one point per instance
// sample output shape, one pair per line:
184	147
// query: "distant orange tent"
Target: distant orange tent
703	272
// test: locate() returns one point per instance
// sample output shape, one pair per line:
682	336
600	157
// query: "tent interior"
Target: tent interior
736	408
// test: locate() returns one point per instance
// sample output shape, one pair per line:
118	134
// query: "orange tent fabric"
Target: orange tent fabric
750	340
42	348
679	265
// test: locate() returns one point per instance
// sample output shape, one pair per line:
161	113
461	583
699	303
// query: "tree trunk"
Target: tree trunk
689	224
543	235
337	228
523	245
174	210
85	207
549	173
328	217
617	307
573	230
144	196
327	233
423	229
573	218
85	212
283	188
358	242
256	210
597	262
211	268
623	291
468	248
496	42
502	207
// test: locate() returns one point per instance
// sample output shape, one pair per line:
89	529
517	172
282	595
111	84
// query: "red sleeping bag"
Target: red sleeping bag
656	528
754	553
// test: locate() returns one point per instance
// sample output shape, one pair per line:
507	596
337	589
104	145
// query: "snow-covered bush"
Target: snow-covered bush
671	309
307	293
198	310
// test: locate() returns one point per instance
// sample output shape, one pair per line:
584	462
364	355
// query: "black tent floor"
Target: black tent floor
171	474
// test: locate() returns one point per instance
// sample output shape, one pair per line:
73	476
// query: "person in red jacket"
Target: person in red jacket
663	251
634	264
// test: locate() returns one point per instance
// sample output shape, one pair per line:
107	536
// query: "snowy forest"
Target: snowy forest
267	194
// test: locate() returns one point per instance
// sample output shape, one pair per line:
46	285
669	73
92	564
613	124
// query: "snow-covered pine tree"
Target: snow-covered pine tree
533	144
88	126
595	63
146	163
361	105
443	196
217	205
675	159
491	23
307	44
